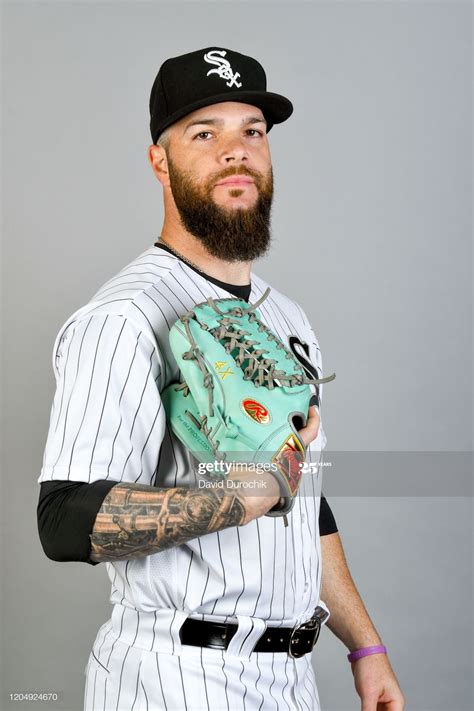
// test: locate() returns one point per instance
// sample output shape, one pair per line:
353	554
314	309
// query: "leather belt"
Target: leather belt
295	641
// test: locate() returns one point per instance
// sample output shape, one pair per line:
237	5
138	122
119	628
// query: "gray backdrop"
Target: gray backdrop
371	227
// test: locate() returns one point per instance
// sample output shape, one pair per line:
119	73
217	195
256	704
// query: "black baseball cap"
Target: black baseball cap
209	76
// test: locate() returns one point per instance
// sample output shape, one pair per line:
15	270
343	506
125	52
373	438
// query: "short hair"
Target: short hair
164	138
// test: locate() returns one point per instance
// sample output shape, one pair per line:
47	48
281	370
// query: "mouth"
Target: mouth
236	180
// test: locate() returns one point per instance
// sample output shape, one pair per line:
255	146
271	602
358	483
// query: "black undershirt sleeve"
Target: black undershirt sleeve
66	514
327	522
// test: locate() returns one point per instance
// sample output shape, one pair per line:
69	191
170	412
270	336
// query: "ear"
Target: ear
159	163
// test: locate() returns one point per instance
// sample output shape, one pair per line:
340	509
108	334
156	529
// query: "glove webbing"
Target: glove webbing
260	370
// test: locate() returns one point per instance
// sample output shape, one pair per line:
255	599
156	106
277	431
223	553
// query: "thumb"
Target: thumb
309	432
369	703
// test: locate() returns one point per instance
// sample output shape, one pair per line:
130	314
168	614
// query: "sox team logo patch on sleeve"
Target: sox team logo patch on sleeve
223	68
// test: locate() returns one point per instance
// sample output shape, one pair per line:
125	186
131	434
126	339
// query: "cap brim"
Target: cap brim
275	108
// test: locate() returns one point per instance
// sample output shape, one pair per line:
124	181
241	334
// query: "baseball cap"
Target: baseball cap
210	76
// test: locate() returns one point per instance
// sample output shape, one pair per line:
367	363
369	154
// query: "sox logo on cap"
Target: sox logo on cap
223	69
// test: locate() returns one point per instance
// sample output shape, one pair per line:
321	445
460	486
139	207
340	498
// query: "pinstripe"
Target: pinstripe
171	626
67	408
147	439
257	680
300	689
187	579
243	685
260	565
252	625
145	695
99	662
223	571
287	682
183	306
148	296
121	676
136	690
105	399
205	681
134	420
119	403
311	679
64	380
242	572
88	393
161	683
284	615
274	561
226	681
182	683
127	288
270	687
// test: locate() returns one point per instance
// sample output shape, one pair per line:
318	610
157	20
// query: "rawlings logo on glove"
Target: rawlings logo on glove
241	394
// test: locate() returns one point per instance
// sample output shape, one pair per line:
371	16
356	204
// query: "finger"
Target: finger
310	431
393	705
369	703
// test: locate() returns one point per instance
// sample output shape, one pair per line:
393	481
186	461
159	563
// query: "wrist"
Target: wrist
366	652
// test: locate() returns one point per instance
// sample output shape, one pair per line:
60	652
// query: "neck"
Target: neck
189	246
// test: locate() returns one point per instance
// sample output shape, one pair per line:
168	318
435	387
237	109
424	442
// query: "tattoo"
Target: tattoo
136	520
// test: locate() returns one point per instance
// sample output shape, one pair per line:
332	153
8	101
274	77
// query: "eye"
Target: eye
202	133
254	130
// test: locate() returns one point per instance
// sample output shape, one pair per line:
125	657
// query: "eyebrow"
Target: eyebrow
220	122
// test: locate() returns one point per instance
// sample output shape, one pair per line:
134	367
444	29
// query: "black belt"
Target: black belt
295	641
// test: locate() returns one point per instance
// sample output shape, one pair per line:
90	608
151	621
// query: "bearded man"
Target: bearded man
209	600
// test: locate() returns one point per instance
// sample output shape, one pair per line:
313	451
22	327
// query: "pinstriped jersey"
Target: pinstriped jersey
111	360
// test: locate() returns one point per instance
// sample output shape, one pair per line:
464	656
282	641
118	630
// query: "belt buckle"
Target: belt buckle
314	625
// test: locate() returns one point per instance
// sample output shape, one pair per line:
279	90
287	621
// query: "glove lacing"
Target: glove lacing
260	370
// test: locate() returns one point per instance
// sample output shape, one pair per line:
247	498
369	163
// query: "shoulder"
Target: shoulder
122	302
122	296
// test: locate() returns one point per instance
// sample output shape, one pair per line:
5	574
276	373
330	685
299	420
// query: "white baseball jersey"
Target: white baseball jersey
111	360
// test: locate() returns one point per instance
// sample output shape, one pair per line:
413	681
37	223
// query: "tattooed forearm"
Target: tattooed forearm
136	520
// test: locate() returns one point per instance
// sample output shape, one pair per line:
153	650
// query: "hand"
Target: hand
310	431
264	499
376	684
256	506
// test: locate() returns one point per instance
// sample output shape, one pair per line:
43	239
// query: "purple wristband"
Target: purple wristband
365	651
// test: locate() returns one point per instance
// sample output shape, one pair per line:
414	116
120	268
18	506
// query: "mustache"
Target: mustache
241	170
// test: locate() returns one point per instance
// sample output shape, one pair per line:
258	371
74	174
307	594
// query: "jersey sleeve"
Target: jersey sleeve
107	420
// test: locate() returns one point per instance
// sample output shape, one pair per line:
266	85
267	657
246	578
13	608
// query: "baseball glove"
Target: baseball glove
242	394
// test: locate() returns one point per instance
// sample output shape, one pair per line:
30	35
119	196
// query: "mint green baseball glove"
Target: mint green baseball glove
242	394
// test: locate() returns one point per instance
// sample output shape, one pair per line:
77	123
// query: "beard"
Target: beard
231	234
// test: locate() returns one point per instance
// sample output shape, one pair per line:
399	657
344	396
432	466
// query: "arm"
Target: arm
374	678
349	620
137	520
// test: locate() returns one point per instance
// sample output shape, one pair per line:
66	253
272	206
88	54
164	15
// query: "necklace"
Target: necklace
177	254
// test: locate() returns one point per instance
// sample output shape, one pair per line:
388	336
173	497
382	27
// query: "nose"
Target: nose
234	151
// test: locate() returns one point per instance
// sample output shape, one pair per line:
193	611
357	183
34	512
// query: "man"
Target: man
208	609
